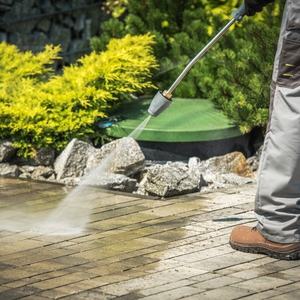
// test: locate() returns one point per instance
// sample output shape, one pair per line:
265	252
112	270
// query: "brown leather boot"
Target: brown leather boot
248	239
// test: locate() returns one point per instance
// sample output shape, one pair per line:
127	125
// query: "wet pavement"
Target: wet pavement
131	247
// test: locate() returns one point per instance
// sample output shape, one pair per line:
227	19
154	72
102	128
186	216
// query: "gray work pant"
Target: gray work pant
277	203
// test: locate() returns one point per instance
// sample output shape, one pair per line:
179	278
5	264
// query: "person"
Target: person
277	200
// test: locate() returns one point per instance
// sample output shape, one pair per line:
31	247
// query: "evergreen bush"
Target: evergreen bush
40	109
242	70
181	30
235	73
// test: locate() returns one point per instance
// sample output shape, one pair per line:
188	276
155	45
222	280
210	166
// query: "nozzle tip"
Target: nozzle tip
159	104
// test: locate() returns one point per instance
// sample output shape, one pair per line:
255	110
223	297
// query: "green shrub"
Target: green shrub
38	109
235	73
239	82
181	30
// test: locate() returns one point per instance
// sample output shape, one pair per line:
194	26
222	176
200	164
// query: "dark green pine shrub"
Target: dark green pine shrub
179	30
235	73
243	66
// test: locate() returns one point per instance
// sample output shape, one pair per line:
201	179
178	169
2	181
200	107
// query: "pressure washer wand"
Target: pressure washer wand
162	100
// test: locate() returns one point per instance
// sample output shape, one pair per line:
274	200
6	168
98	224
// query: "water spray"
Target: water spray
162	100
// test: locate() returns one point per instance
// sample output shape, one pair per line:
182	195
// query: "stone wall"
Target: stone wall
31	24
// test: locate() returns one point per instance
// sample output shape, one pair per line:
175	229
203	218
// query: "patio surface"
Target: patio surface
132	247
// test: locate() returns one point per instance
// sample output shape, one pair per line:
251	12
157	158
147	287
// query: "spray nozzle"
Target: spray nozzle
160	102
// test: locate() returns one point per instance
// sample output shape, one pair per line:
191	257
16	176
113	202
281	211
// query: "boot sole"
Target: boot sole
259	250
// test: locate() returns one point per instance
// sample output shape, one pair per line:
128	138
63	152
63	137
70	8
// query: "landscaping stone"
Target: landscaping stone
169	180
69	181
254	160
25	175
72	161
220	181
117	182
122	156
234	162
7	150
42	172
224	171
121	165
27	169
42	157
9	170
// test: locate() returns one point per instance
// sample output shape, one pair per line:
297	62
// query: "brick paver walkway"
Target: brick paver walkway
132	247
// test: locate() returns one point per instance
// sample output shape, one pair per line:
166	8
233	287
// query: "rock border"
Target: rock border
121	166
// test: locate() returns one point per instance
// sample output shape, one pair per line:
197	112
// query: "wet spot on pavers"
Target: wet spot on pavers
130	245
